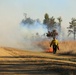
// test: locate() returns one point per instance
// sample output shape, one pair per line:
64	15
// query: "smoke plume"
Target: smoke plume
25	35
32	32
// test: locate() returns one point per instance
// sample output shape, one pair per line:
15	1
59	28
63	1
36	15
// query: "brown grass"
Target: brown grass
66	47
21	62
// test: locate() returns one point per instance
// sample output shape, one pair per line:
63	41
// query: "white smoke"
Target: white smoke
33	30
32	33
25	35
10	36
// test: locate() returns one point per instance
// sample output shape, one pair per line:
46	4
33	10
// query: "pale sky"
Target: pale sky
11	11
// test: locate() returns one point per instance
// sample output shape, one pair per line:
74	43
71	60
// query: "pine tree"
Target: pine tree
46	20
72	27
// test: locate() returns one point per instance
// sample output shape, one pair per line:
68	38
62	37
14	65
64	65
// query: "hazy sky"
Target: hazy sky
11	14
11	11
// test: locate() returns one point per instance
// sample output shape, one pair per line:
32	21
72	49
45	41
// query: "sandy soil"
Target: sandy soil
21	62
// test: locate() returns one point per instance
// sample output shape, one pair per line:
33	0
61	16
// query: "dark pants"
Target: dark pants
54	49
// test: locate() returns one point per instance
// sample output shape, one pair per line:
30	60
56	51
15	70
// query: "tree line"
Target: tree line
51	21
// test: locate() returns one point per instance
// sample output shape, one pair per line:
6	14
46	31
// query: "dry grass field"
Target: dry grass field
24	62
66	47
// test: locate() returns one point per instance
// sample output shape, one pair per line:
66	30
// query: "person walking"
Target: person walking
55	45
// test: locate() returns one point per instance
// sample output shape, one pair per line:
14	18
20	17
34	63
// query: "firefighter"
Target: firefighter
55	45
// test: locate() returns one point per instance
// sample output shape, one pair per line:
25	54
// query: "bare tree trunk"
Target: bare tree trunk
74	33
74	36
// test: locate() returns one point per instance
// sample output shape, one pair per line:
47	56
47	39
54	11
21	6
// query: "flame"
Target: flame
49	50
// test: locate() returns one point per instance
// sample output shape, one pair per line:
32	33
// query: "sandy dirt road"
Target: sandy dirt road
20	62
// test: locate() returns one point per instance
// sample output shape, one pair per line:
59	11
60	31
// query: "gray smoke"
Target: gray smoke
24	35
32	32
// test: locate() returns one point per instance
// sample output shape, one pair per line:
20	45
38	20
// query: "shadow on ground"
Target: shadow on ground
69	53
32	67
